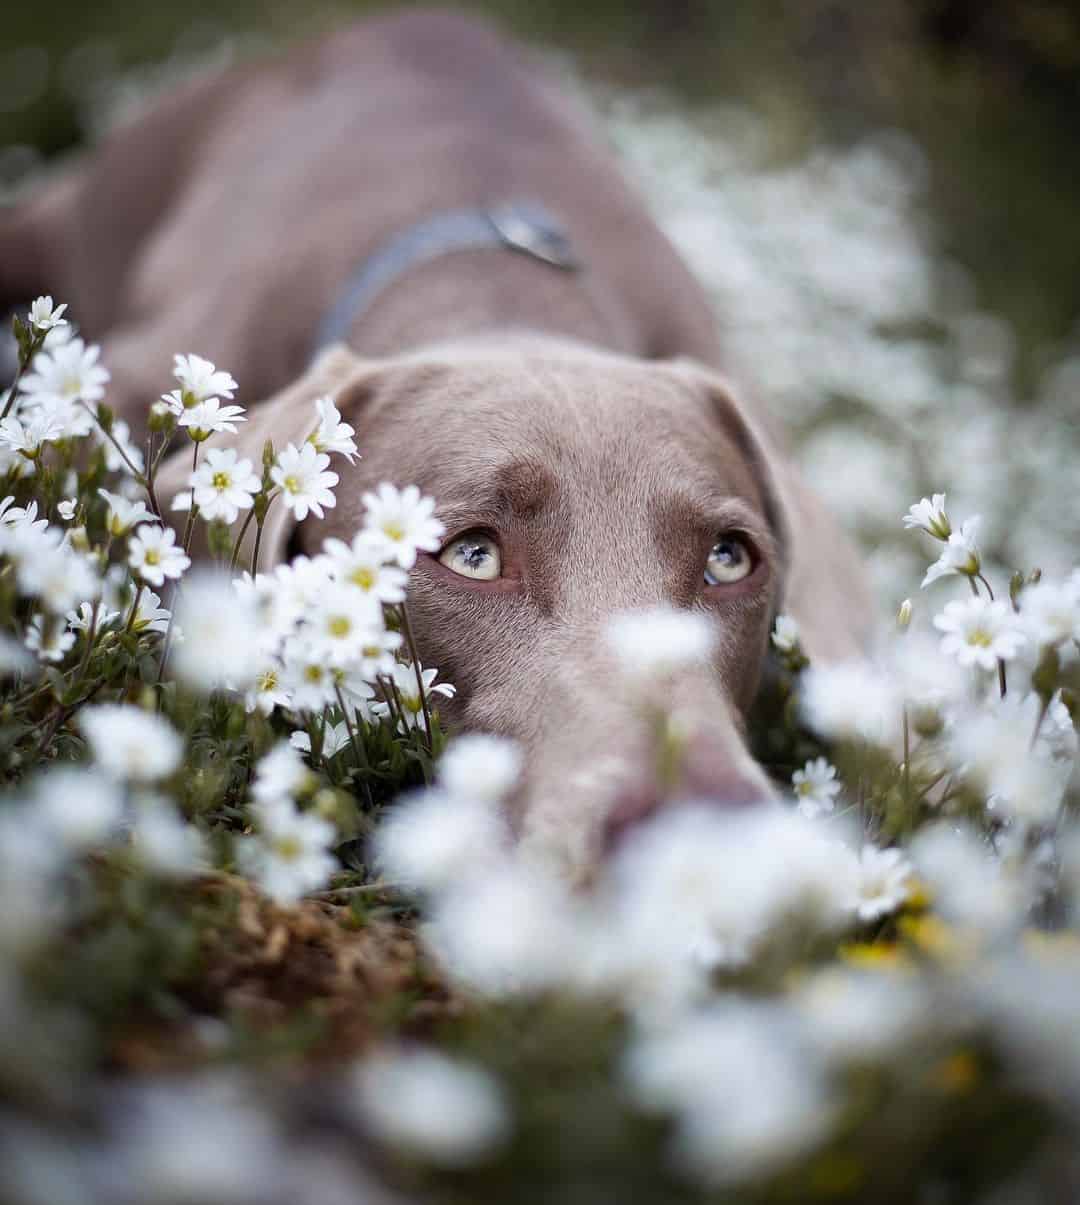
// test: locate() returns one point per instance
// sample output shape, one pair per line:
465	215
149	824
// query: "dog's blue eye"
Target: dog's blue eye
473	555
729	561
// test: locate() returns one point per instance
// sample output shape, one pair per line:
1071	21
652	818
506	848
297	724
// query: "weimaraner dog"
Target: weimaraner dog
408	215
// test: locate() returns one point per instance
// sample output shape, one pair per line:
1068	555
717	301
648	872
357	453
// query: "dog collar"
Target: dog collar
525	227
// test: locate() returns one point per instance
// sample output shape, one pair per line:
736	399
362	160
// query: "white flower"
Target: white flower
306	677
50	640
816	787
343	620
222	647
929	515
130	743
509	930
151	616
79	807
1050	613
67	508
852	699
979	632
132	457
649	645
882	883
200	380
785	634
405	520
49	570
165	843
967	883
431	840
960	554
305	483
125	514
267	691
153	554
855	1015
44	316
280	774
408	706
65	374
28	434
480	766
431	1106
376	656
746	1095
210	418
335	737
368	564
291	853
21	516
331	434
223	485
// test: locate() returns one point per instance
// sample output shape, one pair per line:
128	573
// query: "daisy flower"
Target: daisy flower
335	737
83	619
305	483
960	554
67	508
280	774
411	714
65	374
364	564
223	485
480	766
132	458
28	434
816	787
882	883
224	647
50	643
131	744
785	634
44	316
199	380
655	643
165	844
307	677
331	434
343	621
124	514
153	554
210	418
21	516
376	655
405	520
1050	613
929	515
151	616
291	853
267	691
978	632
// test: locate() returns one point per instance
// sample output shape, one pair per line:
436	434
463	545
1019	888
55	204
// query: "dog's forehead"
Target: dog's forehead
579	415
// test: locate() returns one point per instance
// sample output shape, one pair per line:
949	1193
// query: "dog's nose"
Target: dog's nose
709	776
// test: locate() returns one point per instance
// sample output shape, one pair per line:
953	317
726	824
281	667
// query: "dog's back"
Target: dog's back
228	217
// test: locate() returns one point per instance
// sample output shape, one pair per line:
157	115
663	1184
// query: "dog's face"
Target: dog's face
573	485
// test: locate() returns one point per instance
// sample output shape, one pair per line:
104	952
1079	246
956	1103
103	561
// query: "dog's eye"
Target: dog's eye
473	555
729	561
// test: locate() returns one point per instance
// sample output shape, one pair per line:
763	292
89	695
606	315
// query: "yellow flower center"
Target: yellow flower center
981	638
313	673
363	577
340	625
394	530
152	557
222	481
288	848
292	484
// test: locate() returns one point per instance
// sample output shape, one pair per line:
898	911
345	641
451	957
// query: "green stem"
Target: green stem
406	628
193	510
240	539
358	749
36	345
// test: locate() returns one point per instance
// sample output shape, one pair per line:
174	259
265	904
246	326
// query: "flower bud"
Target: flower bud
162	420
903	616
78	539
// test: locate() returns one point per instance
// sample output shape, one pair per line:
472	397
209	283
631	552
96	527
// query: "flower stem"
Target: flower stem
24	364
239	540
406	628
358	749
193	510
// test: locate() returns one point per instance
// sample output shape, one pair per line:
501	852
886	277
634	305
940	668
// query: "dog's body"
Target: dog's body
534	402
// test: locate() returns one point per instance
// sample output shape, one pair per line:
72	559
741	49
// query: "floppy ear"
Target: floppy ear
823	584
287	417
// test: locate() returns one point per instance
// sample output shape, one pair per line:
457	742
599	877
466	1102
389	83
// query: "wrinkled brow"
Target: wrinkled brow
513	490
707	515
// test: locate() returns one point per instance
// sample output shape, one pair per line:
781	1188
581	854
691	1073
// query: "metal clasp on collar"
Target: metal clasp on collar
528	232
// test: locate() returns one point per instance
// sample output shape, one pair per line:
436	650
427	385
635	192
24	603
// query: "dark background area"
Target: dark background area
991	89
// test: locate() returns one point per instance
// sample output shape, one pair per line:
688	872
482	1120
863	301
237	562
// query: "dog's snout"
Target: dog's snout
709	776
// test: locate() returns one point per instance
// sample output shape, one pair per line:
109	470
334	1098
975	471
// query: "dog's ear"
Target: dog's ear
287	417
823	584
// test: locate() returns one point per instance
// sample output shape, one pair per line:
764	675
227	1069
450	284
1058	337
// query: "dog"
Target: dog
410	215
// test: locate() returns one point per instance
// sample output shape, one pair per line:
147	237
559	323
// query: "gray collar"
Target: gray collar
525	227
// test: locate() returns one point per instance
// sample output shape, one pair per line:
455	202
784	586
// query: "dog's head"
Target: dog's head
573	485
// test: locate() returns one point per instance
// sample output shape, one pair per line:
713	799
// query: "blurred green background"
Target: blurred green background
991	90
